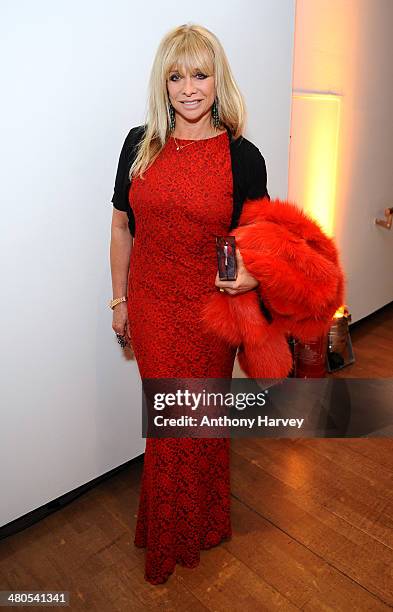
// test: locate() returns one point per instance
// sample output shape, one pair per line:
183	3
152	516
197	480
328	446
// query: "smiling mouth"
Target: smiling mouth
190	102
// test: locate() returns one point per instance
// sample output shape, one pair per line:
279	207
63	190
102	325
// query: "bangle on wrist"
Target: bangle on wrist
115	301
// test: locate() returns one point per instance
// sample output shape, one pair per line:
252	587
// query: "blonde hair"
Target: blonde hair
191	46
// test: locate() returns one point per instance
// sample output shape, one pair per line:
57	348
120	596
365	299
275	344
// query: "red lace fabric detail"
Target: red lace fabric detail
184	201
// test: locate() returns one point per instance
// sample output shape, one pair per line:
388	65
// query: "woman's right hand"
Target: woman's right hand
120	323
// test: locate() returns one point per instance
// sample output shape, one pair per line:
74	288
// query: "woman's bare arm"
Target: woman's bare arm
120	251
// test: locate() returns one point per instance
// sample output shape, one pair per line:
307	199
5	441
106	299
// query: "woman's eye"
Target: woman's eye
201	75
173	77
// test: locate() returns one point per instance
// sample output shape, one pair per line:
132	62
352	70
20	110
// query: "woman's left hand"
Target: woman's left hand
244	281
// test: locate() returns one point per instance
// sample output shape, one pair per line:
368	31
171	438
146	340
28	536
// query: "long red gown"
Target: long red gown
183	202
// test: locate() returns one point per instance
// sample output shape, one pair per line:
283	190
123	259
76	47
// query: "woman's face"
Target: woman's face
195	86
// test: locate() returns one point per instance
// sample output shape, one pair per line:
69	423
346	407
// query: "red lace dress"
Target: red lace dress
184	200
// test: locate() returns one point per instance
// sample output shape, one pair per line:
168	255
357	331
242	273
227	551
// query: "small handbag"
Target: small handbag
226	257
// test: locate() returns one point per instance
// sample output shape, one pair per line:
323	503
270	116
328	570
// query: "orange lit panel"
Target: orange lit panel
313	155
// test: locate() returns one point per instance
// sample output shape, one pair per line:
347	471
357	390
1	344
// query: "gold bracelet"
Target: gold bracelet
113	303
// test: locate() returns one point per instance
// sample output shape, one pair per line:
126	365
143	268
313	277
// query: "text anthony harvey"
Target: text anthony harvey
225	421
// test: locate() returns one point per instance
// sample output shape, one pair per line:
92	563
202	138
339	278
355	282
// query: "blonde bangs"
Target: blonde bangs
189	53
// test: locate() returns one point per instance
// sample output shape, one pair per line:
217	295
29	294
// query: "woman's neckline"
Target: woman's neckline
199	139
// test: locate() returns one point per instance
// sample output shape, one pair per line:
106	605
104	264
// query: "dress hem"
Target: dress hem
225	538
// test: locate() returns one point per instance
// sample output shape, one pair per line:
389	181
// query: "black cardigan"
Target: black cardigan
248	172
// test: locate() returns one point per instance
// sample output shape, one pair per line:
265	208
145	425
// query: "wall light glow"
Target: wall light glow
314	161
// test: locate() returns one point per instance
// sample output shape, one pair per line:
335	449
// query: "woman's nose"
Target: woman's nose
189	86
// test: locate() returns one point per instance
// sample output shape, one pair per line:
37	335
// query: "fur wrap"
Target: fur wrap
301	284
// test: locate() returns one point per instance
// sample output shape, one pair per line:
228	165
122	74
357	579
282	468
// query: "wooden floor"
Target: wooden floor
312	520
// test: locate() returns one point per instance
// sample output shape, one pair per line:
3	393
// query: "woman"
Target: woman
181	181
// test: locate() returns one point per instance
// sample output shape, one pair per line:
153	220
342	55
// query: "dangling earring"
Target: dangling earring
172	119
215	116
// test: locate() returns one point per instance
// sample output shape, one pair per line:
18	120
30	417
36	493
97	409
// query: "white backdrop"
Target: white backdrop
74	80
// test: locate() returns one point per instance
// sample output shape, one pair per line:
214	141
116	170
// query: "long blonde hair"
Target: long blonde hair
191	46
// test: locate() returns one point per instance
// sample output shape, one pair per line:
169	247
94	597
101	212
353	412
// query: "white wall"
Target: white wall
346	48
74	80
